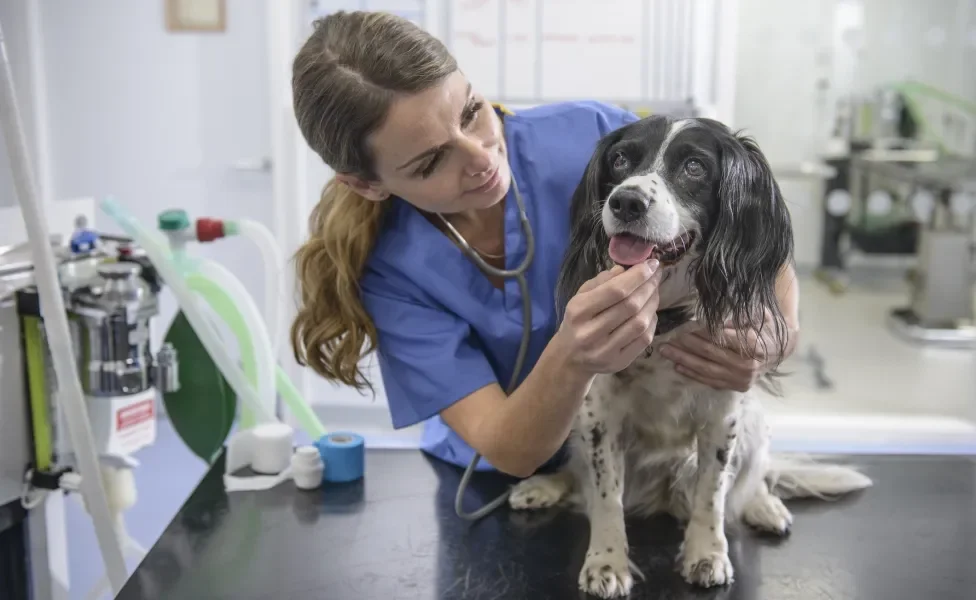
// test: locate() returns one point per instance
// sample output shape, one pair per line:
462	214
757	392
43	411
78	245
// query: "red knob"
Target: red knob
209	230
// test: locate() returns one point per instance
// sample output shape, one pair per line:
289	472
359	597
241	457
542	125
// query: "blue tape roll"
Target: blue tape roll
344	455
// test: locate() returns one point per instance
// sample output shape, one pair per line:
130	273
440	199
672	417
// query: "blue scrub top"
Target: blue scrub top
443	330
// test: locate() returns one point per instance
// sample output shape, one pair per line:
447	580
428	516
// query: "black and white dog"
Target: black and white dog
702	200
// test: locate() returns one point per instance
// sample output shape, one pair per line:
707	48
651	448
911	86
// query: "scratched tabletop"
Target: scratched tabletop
395	535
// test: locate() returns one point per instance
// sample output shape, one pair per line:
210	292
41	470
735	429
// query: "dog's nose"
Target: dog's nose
628	204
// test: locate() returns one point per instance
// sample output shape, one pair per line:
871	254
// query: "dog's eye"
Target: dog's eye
620	161
694	168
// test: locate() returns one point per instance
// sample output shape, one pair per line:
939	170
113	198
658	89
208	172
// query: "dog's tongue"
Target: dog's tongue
628	250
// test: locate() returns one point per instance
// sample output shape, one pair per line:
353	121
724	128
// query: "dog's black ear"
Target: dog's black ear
588	242
750	242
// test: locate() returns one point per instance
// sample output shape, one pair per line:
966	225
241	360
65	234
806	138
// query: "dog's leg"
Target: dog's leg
541	491
767	513
606	570
705	551
750	497
750	494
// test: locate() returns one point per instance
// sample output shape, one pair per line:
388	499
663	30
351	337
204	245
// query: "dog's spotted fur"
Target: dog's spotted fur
648	439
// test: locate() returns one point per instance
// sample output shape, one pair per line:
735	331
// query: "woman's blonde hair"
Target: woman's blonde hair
344	79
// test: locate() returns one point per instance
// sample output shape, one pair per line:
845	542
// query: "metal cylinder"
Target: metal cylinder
166	375
111	324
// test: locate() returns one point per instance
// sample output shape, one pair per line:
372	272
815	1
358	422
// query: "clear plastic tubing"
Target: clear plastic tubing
264	357
188	302
223	304
274	262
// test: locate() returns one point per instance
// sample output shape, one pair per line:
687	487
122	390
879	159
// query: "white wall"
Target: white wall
13	19
157	119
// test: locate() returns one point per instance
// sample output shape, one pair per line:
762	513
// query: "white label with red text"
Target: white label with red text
133	422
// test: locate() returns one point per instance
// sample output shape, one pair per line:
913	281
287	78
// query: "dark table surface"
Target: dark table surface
395	535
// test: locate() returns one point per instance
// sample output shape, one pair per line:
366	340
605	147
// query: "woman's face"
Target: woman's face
441	150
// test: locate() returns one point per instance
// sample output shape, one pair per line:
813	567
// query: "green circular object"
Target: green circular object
173	220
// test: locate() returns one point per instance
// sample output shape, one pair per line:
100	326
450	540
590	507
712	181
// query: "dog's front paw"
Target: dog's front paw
709	569
539	491
606	573
704	558
712	570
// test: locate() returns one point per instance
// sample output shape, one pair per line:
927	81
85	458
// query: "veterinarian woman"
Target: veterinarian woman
418	151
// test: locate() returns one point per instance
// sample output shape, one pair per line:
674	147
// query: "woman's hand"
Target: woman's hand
724	364
611	319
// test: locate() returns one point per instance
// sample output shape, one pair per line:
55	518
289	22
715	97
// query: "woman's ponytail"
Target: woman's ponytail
332	330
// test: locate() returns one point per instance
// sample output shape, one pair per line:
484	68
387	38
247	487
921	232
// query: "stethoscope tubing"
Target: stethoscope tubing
519	274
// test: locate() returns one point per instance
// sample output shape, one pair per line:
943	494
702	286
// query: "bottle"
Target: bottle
307	467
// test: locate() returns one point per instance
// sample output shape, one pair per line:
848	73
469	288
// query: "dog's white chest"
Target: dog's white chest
659	403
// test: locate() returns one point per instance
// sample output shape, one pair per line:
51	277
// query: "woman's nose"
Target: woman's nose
480	157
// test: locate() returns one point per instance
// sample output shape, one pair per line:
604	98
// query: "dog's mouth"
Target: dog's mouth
627	249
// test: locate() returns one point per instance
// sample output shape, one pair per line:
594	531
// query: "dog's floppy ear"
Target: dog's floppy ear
750	241
588	242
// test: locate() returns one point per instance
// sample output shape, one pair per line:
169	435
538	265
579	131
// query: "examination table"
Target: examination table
394	535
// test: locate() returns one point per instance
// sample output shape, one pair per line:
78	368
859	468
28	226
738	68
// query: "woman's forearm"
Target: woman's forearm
529	426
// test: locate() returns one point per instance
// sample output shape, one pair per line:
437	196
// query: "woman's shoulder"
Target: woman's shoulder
565	132
550	144
578	111
575	118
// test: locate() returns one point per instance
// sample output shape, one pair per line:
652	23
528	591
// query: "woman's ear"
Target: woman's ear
367	189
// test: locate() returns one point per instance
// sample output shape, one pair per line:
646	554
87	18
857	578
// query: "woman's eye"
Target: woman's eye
471	112
428	169
620	161
694	168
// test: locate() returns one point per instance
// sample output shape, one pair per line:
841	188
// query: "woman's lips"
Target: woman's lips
493	180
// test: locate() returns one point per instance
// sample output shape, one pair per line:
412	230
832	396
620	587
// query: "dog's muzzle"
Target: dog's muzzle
628	204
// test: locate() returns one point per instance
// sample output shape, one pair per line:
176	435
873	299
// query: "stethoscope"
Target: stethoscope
519	274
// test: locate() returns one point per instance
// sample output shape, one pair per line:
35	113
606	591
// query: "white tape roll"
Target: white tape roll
273	448
266	449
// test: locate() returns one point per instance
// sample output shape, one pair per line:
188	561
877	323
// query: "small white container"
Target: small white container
307	467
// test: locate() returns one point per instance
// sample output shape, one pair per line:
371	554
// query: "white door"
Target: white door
235	136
